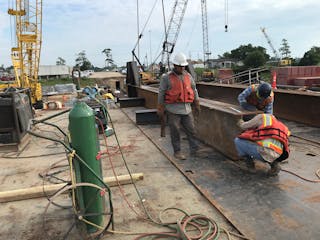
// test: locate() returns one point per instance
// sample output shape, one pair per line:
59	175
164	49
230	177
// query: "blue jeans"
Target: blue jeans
246	148
186	121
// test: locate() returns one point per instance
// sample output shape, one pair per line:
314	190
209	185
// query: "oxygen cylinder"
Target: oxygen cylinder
84	140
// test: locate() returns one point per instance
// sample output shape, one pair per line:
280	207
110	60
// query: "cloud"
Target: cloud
75	25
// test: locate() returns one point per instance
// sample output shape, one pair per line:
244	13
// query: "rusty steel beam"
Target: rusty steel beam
150	94
292	105
216	125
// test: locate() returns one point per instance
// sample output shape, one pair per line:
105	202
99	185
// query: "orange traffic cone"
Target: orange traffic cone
274	80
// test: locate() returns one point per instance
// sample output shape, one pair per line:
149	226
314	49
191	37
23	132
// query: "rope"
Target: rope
317	173
113	170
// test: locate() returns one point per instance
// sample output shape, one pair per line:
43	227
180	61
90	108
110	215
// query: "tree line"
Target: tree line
253	56
83	63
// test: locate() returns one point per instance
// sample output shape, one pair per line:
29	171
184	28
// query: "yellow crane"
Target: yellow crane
282	62
25	56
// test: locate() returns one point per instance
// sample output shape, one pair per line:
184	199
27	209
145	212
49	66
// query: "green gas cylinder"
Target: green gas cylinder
84	140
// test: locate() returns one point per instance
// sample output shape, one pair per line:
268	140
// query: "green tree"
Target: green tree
60	61
82	61
242	51
246	53
254	59
311	57
285	49
108	60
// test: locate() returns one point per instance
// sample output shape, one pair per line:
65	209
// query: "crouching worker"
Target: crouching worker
265	138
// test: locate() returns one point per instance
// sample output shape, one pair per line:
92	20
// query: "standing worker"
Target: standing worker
266	139
257	97
176	93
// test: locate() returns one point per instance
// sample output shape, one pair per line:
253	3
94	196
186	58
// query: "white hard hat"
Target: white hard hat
180	60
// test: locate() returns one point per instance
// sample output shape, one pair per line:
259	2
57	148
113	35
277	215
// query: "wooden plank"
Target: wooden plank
39	191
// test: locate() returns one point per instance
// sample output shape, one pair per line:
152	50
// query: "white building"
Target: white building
54	71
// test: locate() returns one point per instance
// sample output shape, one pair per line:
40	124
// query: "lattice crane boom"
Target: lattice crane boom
26	55
206	52
173	30
263	30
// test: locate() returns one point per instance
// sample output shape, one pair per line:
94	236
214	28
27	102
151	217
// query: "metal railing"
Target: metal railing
251	76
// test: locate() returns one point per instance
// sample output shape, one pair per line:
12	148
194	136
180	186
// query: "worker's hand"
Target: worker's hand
160	110
197	107
240	122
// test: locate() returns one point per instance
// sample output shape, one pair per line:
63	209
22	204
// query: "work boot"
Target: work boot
274	168
179	155
200	152
250	163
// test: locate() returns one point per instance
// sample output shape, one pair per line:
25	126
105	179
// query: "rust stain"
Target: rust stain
313	199
288	184
210	173
284	221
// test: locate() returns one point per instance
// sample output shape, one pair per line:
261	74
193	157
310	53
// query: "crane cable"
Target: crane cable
140	34
165	34
226	15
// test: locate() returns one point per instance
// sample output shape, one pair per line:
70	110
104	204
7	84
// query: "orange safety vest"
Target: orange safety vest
271	129
254	100
181	91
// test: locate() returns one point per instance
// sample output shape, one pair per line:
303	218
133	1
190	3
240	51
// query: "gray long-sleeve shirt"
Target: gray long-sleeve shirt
176	108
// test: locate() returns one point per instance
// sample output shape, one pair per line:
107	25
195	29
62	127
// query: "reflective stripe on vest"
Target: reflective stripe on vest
267	120
274	144
271	143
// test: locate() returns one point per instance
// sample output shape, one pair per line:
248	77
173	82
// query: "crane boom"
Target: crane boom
26	55
173	30
263	30
206	52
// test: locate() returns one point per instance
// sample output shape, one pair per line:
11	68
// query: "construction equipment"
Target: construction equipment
207	74
276	55
17	97
206	52
26	55
173	30
148	78
281	62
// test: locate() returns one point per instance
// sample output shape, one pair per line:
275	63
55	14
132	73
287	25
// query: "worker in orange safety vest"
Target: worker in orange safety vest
177	91
264	138
257	97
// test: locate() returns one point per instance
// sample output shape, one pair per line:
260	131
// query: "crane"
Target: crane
276	55
173	30
281	62
26	55
206	52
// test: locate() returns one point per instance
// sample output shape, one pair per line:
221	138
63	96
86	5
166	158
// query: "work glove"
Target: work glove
197	107
160	110
240	122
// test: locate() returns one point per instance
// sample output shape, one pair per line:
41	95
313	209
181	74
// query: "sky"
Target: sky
72	26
